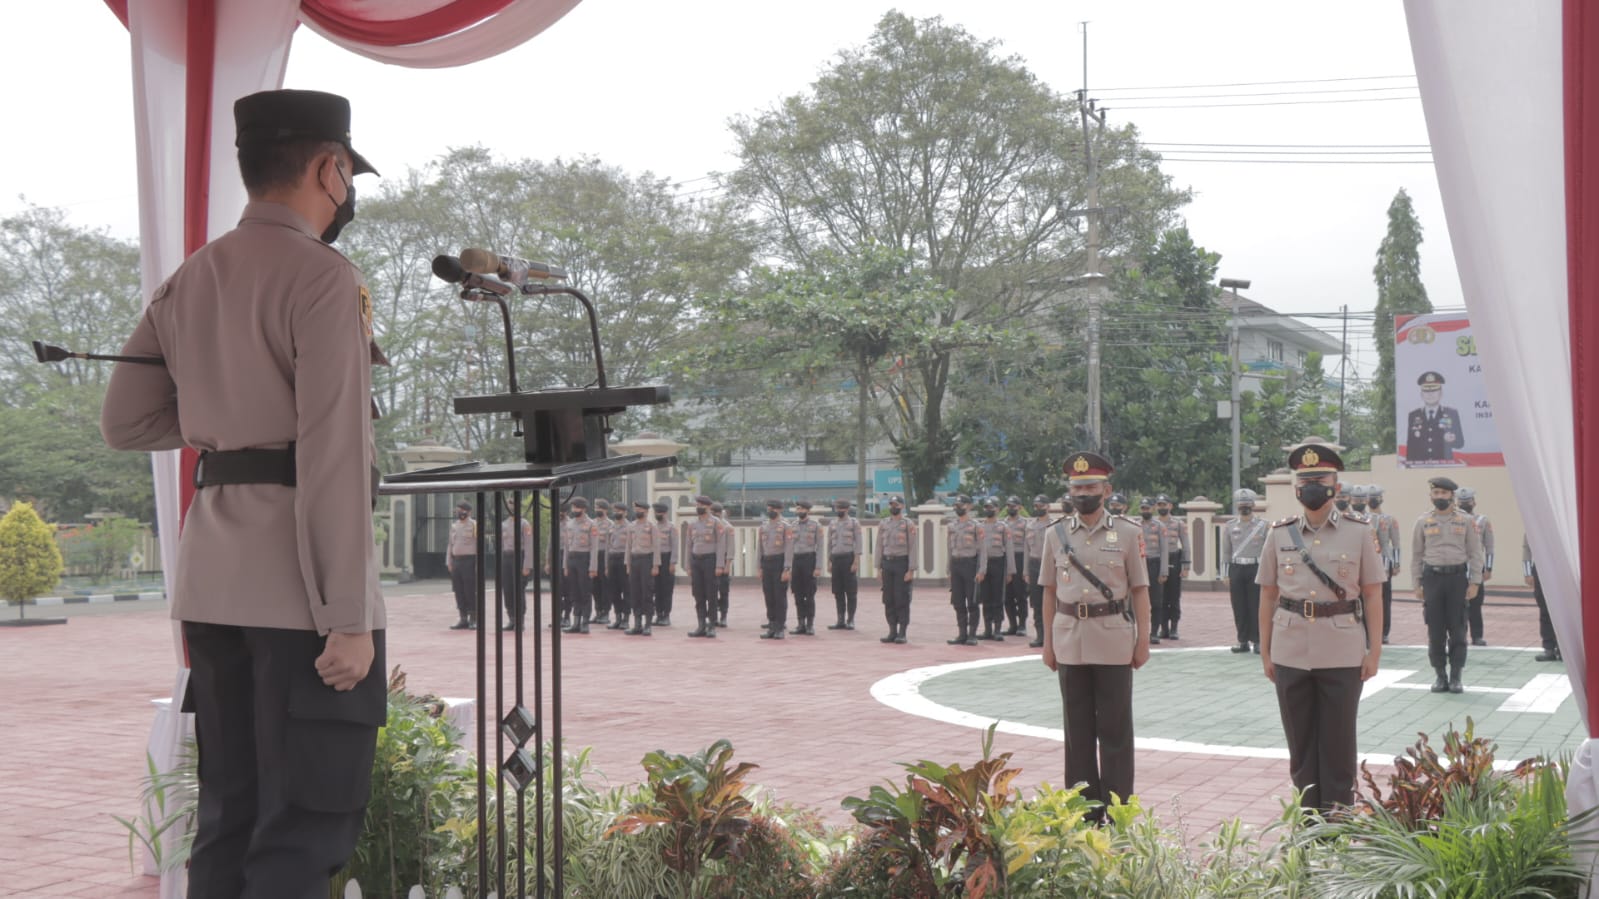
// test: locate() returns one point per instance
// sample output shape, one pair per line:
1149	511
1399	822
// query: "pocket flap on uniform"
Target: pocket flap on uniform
312	700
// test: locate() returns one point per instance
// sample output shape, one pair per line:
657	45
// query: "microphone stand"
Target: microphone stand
539	290
474	295
48	353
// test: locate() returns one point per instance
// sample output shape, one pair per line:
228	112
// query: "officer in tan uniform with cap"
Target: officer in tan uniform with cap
460	559
267	337
1242	541
1096	629
896	568
1446	565
1320	627
1033	555
844	561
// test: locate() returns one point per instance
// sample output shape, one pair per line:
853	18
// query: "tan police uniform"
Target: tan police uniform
461	559
968	555
1446	560
843	559
579	556
1094	637
1016	585
266	335
705	551
896	557
665	579
1032	558
996	572
512	582
643	565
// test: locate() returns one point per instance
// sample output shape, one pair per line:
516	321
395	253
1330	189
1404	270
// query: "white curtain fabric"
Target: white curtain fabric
510	27
1492	89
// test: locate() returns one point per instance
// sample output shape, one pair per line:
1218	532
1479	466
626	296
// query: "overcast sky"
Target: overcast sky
651	84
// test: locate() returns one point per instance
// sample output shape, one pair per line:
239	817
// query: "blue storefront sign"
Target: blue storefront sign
892	480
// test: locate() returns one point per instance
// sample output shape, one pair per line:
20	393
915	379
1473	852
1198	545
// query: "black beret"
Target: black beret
1443	483
803	504
774	504
579	502
703	500
270	117
640	504
662	505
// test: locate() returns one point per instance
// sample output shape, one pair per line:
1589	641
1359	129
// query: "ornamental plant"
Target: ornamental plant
30	561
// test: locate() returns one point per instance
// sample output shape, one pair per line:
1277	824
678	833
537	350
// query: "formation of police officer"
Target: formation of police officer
266	333
1242	541
1320	627
1446	564
1096	629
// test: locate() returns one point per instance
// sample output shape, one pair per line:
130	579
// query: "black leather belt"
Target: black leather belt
1443	569
247	466
1091	609
1314	610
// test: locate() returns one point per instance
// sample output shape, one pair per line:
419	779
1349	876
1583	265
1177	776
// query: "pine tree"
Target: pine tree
30	561
1399	292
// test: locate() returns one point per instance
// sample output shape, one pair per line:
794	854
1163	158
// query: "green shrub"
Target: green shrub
30	561
102	548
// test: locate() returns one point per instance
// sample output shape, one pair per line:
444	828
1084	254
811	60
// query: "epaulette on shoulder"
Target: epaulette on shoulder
1359	517
1285	522
1130	520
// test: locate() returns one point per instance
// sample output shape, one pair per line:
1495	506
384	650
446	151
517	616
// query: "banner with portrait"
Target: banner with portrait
1442	416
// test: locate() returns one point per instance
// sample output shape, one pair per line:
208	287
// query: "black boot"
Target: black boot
1548	655
839	625
960	639
583	623
999	635
1455	686
646	629
699	631
1441	685
576	626
1038	641
465	624
772	632
971	628
899	636
893	630
637	628
602	619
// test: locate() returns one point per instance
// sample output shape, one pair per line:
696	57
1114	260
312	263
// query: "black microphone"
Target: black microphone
449	268
509	268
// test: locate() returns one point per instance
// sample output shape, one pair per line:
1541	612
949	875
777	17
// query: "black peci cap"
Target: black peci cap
1313	460
273	116
1443	483
662	505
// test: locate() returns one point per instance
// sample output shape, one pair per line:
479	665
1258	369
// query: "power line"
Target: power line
1308	161
1164	143
1116	108
1167	87
1233	152
1336	90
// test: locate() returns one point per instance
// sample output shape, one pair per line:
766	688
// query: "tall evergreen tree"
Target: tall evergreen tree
1399	291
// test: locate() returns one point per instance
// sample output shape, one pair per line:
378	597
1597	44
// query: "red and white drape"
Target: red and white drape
1511	93
193	58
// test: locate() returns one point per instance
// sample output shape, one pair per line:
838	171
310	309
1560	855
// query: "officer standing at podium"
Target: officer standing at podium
266	334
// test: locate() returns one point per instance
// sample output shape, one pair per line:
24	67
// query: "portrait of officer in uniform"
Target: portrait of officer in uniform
1434	431
1096	629
266	333
1320	627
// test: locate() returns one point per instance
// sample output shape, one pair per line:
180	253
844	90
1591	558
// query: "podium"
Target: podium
505	725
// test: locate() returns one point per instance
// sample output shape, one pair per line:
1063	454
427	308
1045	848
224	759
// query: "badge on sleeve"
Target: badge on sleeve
365	299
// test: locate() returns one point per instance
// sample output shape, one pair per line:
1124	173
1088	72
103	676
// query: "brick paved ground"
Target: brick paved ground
76	714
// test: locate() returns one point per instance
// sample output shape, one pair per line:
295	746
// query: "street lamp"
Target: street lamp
1235	284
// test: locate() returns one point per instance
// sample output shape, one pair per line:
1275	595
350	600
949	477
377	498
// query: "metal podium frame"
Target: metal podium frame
537	480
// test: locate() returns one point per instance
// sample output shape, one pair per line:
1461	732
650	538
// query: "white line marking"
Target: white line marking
1543	695
1384	678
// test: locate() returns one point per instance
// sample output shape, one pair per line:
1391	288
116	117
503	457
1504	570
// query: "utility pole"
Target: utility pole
1235	351
1092	278
1343	374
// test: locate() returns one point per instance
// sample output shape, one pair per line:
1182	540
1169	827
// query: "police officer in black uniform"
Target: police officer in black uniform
1434	429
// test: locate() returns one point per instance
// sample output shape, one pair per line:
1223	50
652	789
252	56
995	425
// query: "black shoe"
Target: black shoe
849	625
1172	634
634	631
1441	685
958	640
722	622
771	633
1454	681
619	624
465	624
900	637
698	632
1154	640
602	618
646	631
1037	644
1478	641
1255	649
1548	655
573	628
892	632
1385	641
1242	647
839	626
583	626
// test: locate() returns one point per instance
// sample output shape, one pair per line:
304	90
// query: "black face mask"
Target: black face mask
1246	511
702	510
803	515
1146	515
1342	504
660	516
771	513
461	515
842	513
1358	507
1012	512
961	511
1086	505
991	513
1314	496
618	516
343	213
1441	504
895	510
1165	512
1468	507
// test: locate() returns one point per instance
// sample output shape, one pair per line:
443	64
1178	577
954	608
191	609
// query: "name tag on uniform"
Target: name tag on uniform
1432	530
1109	548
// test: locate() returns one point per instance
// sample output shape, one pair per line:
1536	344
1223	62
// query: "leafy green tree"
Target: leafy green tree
1284	412
30	561
1399	291
53	455
928	142
103	547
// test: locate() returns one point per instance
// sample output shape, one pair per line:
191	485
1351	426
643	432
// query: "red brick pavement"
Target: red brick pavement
76	713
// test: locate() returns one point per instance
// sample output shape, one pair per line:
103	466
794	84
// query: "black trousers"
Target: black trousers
993	591
1443	604
896	590
463	582
285	762
1474	613
1246	602
1099	728
1172	596
616	591
1546	627
1318	709
1016	591
1387	606
802	577
511	586
665	583
579	586
599	589
702	581
724	590
641	586
1157	596
963	591
1035	595
774	591
846	584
